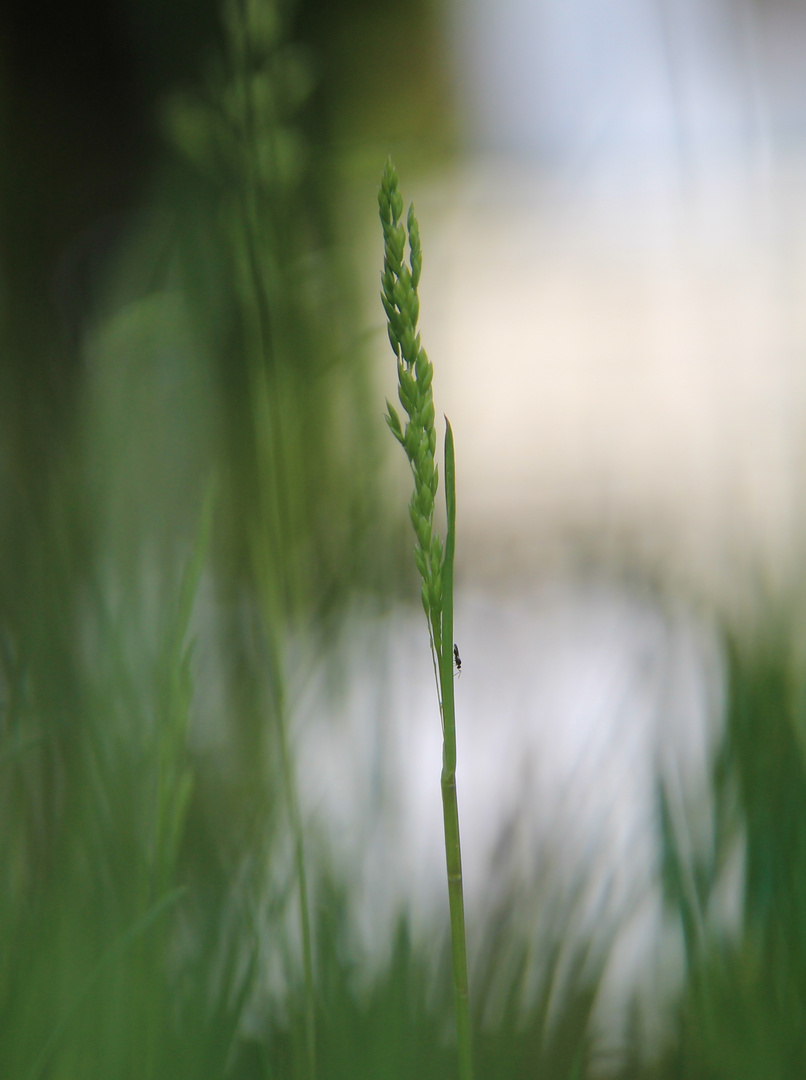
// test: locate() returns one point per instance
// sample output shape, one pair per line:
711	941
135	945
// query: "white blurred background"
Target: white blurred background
614	284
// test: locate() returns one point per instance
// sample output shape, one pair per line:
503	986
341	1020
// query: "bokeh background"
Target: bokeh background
220	832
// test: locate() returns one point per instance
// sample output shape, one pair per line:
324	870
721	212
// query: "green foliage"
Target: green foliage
743	1011
220	340
92	845
142	878
395	1027
275	306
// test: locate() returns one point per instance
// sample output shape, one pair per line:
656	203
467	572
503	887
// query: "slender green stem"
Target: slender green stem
450	805
271	542
302	881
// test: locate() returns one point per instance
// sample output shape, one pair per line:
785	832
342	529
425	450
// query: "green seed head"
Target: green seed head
401	305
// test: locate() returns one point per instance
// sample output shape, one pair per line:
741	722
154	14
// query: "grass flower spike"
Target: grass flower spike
418	438
402	306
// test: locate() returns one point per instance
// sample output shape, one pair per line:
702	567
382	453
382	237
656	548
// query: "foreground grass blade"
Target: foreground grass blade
113	955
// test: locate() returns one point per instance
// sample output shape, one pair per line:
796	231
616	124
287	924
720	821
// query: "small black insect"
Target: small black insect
457	659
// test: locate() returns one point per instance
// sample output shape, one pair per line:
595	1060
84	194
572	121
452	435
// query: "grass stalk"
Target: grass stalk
277	667
415	373
272	536
450	805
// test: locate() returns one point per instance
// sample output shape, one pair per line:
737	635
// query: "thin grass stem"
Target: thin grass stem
272	544
450	805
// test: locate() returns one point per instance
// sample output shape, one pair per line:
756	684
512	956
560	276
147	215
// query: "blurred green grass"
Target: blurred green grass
221	342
